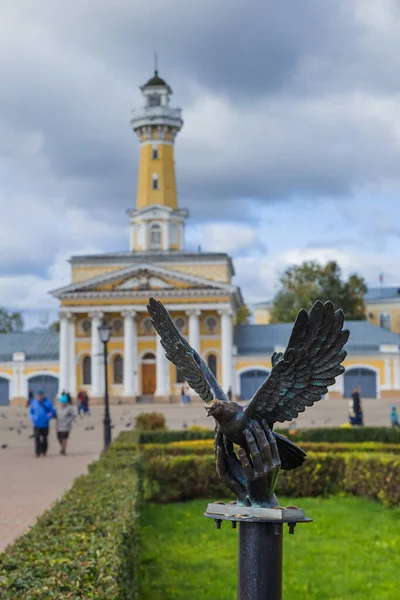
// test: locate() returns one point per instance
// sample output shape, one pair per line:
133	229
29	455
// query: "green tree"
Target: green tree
242	315
10	321
301	285
55	326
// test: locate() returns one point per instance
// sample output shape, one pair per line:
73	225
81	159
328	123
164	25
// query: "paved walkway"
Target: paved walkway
29	485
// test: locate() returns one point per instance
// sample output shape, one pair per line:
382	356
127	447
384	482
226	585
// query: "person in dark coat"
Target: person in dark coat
357	408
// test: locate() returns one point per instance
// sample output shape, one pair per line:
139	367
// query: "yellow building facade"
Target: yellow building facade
196	287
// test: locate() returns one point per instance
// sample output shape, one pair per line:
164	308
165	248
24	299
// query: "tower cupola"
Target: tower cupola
157	223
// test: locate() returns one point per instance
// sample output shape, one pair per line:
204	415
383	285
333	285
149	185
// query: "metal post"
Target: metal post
260	561
107	420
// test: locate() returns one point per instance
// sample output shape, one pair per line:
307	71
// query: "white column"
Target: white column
97	354
388	378
130	353
194	328
18	388
63	381
72	355
161	370
396	373
227	349
166	235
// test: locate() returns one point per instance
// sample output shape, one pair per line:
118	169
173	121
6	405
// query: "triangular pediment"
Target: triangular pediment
142	279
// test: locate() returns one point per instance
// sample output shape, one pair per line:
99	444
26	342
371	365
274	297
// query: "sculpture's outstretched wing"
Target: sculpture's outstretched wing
302	375
183	356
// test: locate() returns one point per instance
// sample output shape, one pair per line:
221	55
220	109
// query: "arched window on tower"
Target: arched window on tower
155	153
155	237
87	370
118	369
155	181
212	364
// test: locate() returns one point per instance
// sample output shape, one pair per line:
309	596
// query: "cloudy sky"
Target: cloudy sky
290	148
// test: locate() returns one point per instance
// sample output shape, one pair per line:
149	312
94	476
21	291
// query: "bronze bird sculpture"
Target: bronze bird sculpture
299	377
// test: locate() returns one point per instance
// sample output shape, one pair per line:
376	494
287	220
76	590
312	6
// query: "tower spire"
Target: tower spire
155	64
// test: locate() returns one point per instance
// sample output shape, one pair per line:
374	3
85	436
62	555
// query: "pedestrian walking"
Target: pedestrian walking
229	394
65	417
394	417
355	409
83	403
41	411
30	398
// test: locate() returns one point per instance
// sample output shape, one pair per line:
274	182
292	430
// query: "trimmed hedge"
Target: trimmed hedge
383	435
86	546
178	478
206	447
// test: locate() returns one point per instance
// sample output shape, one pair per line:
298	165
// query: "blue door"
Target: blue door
4	391
250	381
362	378
47	383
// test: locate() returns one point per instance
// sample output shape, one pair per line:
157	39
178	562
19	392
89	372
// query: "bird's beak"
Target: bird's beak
208	408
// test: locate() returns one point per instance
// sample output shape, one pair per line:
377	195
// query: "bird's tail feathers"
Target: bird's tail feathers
291	455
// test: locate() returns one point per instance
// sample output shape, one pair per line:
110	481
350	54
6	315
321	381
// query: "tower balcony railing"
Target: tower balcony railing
157	114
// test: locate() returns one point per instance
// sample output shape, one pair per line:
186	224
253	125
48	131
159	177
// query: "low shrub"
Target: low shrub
375	476
153	421
177	478
206	447
86	546
383	435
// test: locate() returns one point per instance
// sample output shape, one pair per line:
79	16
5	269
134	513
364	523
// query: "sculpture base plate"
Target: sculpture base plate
253	514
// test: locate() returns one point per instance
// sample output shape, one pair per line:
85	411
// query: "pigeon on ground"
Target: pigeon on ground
129	425
4	446
3	416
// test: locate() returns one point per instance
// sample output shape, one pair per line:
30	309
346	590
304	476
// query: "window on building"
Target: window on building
155	237
118	369
147	325
154	100
385	321
179	377
87	370
155	182
155	153
86	325
149	356
212	364
211	324
117	325
180	323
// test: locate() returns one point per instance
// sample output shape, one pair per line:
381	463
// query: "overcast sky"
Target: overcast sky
290	148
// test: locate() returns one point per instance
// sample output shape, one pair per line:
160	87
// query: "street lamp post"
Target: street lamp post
105	333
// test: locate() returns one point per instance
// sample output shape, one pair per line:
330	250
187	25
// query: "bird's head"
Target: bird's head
215	408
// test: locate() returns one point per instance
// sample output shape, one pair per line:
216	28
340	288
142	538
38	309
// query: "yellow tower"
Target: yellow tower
157	223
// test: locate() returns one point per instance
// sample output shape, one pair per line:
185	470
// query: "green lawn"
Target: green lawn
351	551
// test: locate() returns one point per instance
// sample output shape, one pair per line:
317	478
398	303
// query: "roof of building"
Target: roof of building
382	293
262	339
156	81
36	345
132	258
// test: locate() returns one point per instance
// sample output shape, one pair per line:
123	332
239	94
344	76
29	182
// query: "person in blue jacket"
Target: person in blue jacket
41	411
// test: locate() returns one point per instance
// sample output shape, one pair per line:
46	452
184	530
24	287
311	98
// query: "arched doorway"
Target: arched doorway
250	381
47	383
363	378
4	391
148	373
